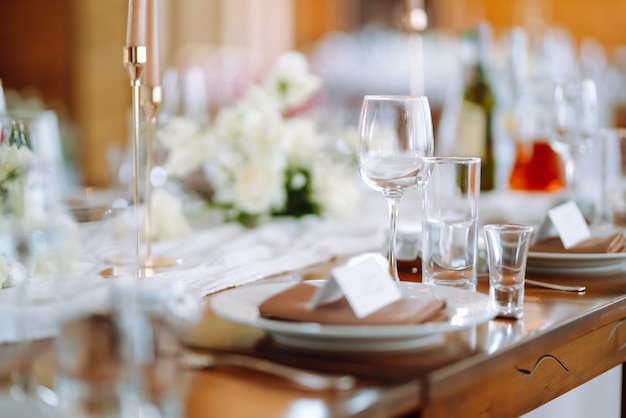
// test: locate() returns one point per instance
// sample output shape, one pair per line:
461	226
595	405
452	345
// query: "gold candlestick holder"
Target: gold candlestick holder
134	61
151	97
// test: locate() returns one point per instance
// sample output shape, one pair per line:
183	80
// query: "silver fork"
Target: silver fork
303	378
554	286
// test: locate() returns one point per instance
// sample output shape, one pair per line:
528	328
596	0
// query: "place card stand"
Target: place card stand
365	282
567	222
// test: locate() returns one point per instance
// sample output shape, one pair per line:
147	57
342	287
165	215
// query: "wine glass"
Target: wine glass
575	124
34	228
395	133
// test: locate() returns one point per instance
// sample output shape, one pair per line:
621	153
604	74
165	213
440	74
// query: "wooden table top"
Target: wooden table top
500	368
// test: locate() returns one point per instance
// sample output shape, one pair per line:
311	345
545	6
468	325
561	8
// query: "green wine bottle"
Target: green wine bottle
476	118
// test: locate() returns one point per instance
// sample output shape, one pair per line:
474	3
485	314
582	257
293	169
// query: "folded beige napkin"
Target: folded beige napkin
292	305
594	245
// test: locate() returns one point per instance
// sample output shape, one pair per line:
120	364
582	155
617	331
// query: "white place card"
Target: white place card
569	223
326	294
364	281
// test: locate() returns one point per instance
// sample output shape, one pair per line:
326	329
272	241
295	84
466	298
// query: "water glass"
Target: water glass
612	207
450	221
575	124
507	250
37	237
124	358
88	366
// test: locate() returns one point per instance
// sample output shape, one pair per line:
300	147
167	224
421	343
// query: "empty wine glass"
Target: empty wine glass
34	227
395	133
575	124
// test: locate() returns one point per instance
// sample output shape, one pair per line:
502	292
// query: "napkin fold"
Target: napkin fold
595	245
292	305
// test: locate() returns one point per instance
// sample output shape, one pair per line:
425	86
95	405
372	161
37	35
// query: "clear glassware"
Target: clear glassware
34	226
575	124
395	134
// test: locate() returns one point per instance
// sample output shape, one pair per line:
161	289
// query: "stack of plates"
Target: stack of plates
465	309
575	265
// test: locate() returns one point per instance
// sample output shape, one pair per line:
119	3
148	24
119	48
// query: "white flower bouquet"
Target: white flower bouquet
263	156
15	155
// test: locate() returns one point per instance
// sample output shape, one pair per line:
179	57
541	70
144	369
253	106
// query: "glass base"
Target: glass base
469	284
508	314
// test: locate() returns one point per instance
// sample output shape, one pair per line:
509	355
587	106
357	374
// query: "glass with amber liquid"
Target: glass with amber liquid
537	168
527	113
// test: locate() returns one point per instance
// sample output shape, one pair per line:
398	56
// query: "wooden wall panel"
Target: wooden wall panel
32	49
100	88
70	50
599	19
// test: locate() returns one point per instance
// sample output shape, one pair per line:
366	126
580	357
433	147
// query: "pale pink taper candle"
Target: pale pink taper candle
136	29
152	76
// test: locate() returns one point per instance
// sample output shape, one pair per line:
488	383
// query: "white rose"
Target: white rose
227	123
255	137
13	158
179	131
303	139
168	219
258	190
57	259
261	98
260	129
336	189
291	81
187	156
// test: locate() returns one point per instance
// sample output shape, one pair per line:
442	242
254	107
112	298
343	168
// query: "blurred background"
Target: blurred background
67	54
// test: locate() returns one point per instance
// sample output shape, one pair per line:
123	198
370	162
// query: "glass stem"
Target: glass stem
605	215
570	176
20	377
393	215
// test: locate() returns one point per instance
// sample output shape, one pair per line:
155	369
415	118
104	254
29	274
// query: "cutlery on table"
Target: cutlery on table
303	378
554	286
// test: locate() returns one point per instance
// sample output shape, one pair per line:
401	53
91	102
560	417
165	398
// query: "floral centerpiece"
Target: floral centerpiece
14	157
265	155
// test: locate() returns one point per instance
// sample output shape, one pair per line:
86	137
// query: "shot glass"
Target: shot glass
507	250
450	221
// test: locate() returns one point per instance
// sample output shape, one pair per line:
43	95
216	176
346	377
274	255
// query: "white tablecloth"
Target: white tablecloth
215	257
227	255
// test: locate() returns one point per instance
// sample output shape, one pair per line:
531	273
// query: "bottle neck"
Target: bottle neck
483	45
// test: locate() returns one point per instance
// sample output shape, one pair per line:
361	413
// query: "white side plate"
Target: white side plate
575	265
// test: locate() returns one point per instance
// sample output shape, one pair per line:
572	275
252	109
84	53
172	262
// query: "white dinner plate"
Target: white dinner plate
464	308
575	265
90	204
